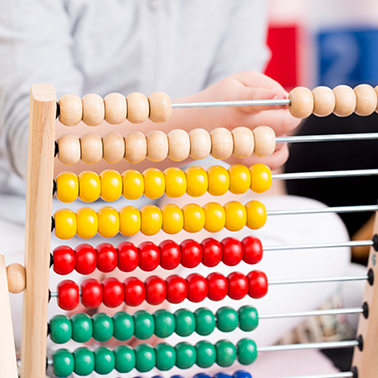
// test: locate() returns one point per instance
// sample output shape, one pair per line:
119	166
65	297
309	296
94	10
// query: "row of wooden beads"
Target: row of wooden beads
114	108
156	145
342	101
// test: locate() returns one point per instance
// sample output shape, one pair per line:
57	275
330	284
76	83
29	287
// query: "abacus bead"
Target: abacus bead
103	327
205	321
93	109
256	214
261	178
149	256
160	107
69	149
16	278
248	318
113	292
107	258
60	329
84	361
186	355
82	327
232	251
154	183
199	375
191	253
87	222
145	358
238	285
177	289
222	144
258	284
244	142
115	108
165	356
345	101
128	257
366	100
219	180
156	291
217	286
130	221
236	216
265	141
247	351
165	323
124	358
227	319
252	250
123	326
68	295
138	108
64	260
215	217
108	221
170	254
104	360
324	101
91	148
133	184
111	185
302	102
92	293
194	217
226	353
71	110
65	224
144	325
151	220
157	146
206	355
175	182
200	144
67	187
211	252
114	147
89	186
135	291
178	145
197	181
185	322
240	178
197	287
86	259
136	146
63	365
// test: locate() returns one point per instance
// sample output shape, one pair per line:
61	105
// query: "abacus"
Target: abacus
174	182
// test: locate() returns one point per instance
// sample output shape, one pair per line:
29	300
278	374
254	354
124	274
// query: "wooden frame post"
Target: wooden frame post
40	174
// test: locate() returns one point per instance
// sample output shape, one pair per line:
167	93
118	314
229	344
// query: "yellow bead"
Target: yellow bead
111	185
240	178
256	214
173	219
236	216
194	217
87	222
175	182
67	187
197	181
65	224
261	178
89	186
129	221
133	184
108	221
152	220
154	183
219	180
215	217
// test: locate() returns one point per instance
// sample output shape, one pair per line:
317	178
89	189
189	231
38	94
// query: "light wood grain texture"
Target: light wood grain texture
138	108
69	149
93	109
324	101
91	148
136	147
222	143
244	142
40	175
71	110
16	277
265	141
178	145
115	108
302	102
160	107
114	147
366	100
157	146
200	144
376	92
345	100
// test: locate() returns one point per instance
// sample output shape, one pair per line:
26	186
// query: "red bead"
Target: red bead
107	257
170	254
177	289
197	287
128	257
237	285
258	284
113	292
86	259
232	251
64	260
211	252
135	291
149	256
191	253
252	250
217	286
91	293
156	291
68	295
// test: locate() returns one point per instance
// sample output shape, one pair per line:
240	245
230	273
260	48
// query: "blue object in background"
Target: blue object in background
201	375
242	374
222	375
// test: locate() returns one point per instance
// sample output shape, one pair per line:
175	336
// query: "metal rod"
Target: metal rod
318	280
340	209
215	104
323	345
358	243
335	375
326	138
337	311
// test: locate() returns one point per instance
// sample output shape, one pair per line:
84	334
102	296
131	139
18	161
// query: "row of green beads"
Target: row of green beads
143	325
144	357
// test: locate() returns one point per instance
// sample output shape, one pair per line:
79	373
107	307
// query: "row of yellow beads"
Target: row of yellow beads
107	221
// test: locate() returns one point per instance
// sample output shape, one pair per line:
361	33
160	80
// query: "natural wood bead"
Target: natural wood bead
160	107
222	144
114	147
265	141
93	109
302	102
200	144
345	100
157	146
135	146
376	92
244	142
71	110
178	145
69	149
366	100
16	278
324	101
115	108
91	148
138	108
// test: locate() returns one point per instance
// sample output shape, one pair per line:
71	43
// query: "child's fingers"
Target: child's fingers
258	80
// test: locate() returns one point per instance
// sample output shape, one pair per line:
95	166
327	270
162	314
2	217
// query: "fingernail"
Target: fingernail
280	96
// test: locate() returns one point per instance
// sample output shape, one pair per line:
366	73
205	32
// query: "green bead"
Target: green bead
206	354
63	363
105	360
165	356
186	355
226	353
185	322
205	321
82	327
247	351
123	326
227	319
145	358
84	361
165	323
248	318
103	327
124	358
60	329
144	325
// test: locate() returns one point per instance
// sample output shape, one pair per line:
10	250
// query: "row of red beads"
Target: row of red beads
155	290
148	256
